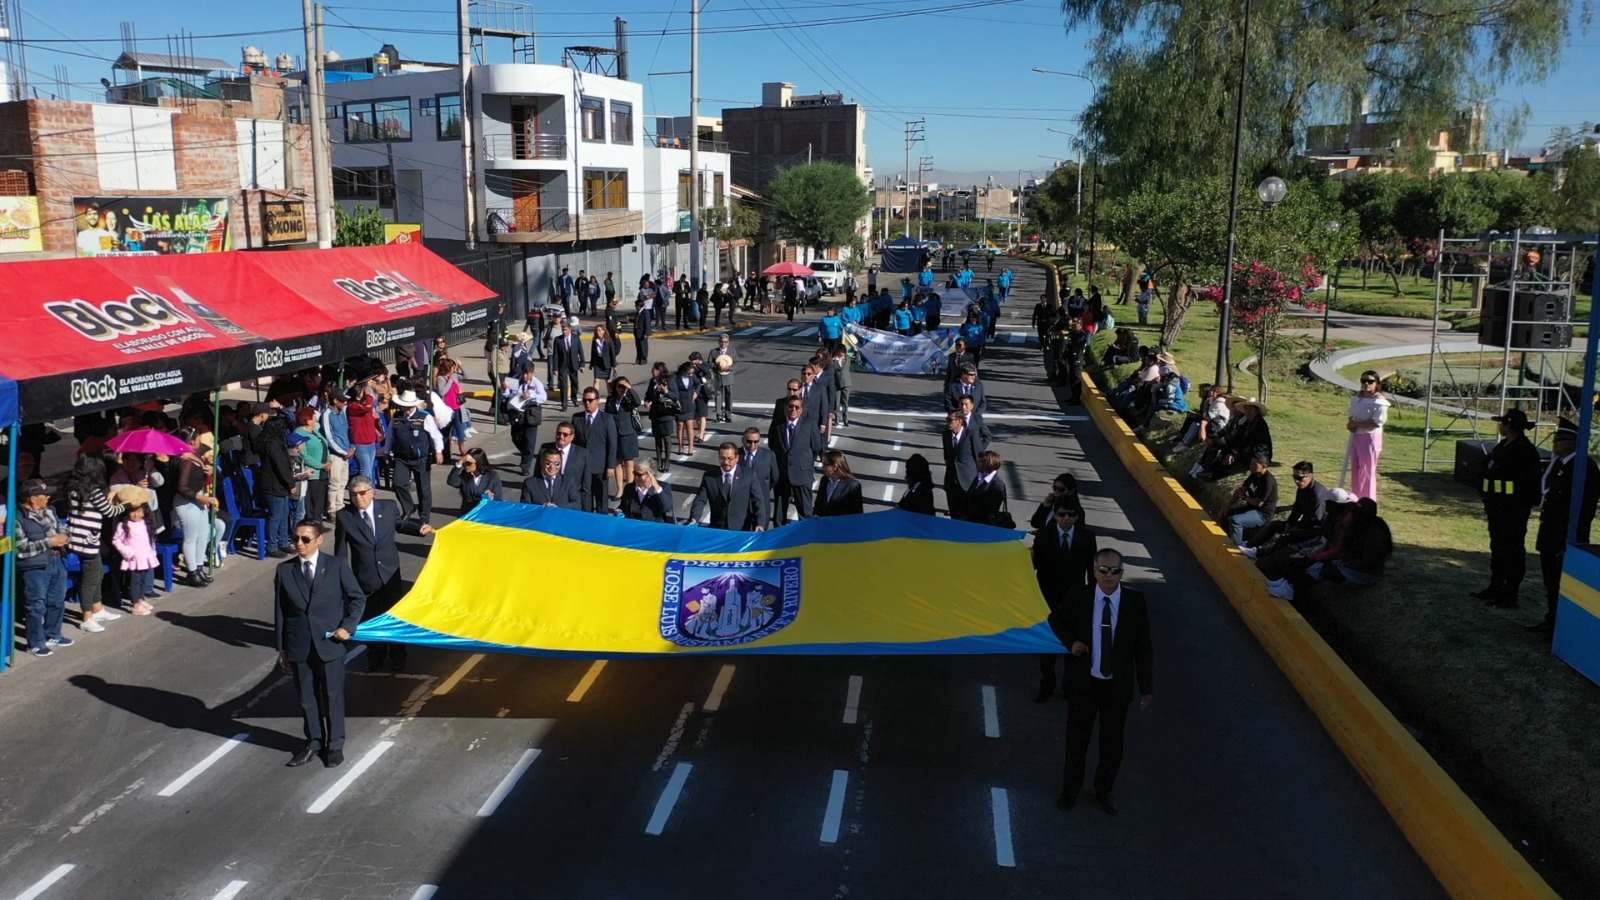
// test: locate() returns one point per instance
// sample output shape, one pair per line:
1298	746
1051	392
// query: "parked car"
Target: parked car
830	272
814	289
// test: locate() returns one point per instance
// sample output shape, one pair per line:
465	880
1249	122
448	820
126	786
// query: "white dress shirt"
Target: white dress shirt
1100	599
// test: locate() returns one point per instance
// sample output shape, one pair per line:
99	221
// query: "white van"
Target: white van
830	272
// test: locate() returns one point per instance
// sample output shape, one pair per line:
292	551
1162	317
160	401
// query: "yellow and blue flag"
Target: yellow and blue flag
545	581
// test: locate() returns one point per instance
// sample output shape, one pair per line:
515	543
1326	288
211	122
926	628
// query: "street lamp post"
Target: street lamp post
1076	247
1077	215
1223	376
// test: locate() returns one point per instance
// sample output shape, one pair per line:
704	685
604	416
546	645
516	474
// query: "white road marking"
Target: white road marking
991	715
105	807
899	426
897	446
835	811
782	330
587	681
852	700
894	466
673	737
669	799
425	892
231	890
503	454
182	781
992	417
888	492
362	765
507	783
753	332
43	884
1016	337
1000	805
718	688
455	678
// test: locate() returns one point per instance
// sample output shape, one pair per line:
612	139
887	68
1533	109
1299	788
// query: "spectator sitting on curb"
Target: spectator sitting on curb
1362	555
1254	502
1287	561
1205	424
1305	517
1247	435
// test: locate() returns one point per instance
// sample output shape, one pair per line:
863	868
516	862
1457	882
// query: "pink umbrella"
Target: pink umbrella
787	268
148	440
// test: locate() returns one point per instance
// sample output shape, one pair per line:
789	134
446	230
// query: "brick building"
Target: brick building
186	178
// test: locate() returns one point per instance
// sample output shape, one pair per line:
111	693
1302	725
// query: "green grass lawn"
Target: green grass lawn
1510	722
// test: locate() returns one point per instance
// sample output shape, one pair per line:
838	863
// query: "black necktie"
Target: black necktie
307	567
1064	542
727	484
549	487
1105	636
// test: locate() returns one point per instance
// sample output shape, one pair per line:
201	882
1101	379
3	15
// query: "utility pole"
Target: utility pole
924	164
694	143
469	161
321	170
914	133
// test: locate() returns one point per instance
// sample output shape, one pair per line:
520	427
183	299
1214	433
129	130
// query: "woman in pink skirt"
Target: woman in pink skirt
1369	410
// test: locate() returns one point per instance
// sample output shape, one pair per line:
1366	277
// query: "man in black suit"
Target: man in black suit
365	540
960	461
574	462
596	433
317	603
1063	559
1556	513
797	442
780	406
974	420
1106	628
965	385
566	355
548	487
817	397
759	463
736	500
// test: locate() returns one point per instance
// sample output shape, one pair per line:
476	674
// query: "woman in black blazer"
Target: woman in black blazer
986	497
1064	486
918	497
838	493
647	499
475	479
602	357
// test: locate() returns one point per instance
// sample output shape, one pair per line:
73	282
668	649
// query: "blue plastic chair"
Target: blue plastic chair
167	551
243	518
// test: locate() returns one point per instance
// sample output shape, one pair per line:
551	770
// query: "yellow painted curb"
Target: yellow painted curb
1469	856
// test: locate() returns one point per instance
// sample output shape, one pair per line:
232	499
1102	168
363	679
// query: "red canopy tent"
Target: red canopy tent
88	334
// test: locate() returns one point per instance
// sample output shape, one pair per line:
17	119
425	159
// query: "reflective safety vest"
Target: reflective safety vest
1499	486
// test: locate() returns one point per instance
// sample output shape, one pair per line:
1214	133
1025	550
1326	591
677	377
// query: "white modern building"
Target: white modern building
566	175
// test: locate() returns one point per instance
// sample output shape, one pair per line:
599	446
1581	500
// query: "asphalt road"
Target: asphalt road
147	762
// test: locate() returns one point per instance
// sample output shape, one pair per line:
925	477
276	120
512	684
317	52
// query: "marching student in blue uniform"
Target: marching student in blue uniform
831	330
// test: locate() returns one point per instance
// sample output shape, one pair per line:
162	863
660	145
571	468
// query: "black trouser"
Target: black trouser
1074	382
1099	704
406	471
796	495
1550	568
841	403
316	500
568	384
683	313
379	602
954	494
1048	663
641	344
526	439
320	684
597	491
724	397
1508	555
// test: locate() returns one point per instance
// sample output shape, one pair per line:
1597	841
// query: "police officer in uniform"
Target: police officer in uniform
1556	512
1510	490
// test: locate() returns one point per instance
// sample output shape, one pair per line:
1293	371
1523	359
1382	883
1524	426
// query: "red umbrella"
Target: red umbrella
148	440
787	268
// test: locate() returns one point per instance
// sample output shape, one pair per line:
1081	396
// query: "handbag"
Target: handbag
1002	517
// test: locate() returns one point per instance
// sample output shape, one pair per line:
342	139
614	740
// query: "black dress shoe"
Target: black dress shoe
1485	594
1503	603
1044	693
303	755
1544	626
1066	801
1107	802
334	759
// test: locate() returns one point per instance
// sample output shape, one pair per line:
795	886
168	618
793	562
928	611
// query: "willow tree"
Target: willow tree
1168	72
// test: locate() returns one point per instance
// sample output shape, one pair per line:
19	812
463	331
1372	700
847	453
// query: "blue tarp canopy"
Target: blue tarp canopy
904	254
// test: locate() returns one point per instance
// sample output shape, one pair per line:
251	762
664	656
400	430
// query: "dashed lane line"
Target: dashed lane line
718	688
503	789
1000	807
913	414
231	890
668	799
991	713
339	787
39	887
888	492
835	810
460	673
425	892
199	768
852	700
587	681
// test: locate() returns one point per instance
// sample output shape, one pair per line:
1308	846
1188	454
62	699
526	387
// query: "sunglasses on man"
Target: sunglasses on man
1108	570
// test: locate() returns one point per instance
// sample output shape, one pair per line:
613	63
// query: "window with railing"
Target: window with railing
593	112
605	189
377	121
621	122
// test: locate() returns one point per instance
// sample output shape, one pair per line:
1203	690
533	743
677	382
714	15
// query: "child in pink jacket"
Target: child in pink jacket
133	540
